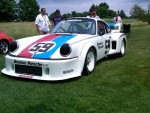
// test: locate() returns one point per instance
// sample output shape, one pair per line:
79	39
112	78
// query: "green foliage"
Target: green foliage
28	10
51	15
146	18
136	11
104	12
122	14
8	10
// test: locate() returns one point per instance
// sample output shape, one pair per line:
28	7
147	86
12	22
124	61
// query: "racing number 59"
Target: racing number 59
41	47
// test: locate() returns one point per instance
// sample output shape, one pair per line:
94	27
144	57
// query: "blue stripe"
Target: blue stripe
111	25
59	41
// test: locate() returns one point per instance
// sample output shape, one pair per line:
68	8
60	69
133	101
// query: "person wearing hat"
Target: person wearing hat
117	18
56	18
42	22
94	15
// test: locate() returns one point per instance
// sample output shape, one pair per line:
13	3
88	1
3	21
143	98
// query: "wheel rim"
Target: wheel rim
122	48
90	61
3	47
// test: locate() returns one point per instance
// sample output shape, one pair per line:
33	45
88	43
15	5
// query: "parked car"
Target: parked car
5	42
73	46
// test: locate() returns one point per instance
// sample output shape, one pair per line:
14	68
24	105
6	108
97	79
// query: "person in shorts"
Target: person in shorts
42	22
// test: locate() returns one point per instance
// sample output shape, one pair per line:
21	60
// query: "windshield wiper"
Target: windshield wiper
63	29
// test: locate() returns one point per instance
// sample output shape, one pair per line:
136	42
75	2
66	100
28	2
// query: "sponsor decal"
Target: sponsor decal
25	76
36	64
100	45
19	62
68	71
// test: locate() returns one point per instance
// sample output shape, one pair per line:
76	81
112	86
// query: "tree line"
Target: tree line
27	10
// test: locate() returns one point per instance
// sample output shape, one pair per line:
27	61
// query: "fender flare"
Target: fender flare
84	51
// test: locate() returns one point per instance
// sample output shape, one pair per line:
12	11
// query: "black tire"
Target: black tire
4	47
90	60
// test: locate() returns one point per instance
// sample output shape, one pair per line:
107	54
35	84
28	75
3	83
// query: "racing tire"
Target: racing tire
122	49
4	47
90	60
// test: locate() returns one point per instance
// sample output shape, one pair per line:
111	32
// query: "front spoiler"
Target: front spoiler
58	69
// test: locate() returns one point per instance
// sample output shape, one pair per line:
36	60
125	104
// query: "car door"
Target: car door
104	32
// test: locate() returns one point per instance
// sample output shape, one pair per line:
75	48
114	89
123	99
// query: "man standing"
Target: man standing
42	22
117	18
57	18
94	15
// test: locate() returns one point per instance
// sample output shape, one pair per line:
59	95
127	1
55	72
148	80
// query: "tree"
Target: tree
7	10
146	17
74	13
122	14
148	12
111	13
28	10
136	11
92	8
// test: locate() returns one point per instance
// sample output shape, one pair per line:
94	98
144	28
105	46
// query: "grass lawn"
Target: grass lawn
118	85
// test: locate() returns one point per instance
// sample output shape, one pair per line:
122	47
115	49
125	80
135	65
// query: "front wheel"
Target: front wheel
4	47
89	64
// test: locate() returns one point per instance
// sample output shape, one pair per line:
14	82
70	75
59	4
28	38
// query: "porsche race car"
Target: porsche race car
72	47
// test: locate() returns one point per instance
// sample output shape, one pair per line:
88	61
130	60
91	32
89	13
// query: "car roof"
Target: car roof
82	18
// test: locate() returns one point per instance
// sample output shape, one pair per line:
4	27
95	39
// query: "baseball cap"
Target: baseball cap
57	10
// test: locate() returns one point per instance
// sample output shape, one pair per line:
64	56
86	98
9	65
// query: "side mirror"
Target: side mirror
101	31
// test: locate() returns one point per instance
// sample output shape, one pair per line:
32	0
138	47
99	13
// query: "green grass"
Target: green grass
118	85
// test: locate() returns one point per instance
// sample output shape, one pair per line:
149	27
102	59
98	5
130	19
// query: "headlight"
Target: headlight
65	50
14	46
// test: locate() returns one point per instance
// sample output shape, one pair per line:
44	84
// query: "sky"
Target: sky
67	6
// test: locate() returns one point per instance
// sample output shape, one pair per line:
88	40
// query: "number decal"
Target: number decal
46	47
41	47
37	47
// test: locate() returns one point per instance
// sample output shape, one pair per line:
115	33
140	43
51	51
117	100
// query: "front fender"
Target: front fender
83	53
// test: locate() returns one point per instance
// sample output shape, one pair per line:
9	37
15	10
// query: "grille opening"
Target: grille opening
31	70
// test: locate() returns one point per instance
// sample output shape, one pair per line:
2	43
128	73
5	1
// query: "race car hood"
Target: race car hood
44	46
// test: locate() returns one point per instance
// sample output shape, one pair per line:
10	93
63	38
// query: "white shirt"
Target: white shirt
43	22
117	20
97	17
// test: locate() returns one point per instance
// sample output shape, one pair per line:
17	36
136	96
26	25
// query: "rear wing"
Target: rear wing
115	27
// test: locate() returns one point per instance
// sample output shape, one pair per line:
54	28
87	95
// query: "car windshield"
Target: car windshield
80	26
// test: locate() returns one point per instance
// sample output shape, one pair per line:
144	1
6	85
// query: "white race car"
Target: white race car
73	47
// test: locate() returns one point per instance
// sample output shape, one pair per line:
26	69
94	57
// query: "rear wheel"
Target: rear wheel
89	64
122	49
4	46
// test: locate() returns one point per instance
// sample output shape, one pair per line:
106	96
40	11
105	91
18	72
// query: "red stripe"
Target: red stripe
25	52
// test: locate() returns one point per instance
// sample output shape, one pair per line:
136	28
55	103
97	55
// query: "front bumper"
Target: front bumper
51	70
